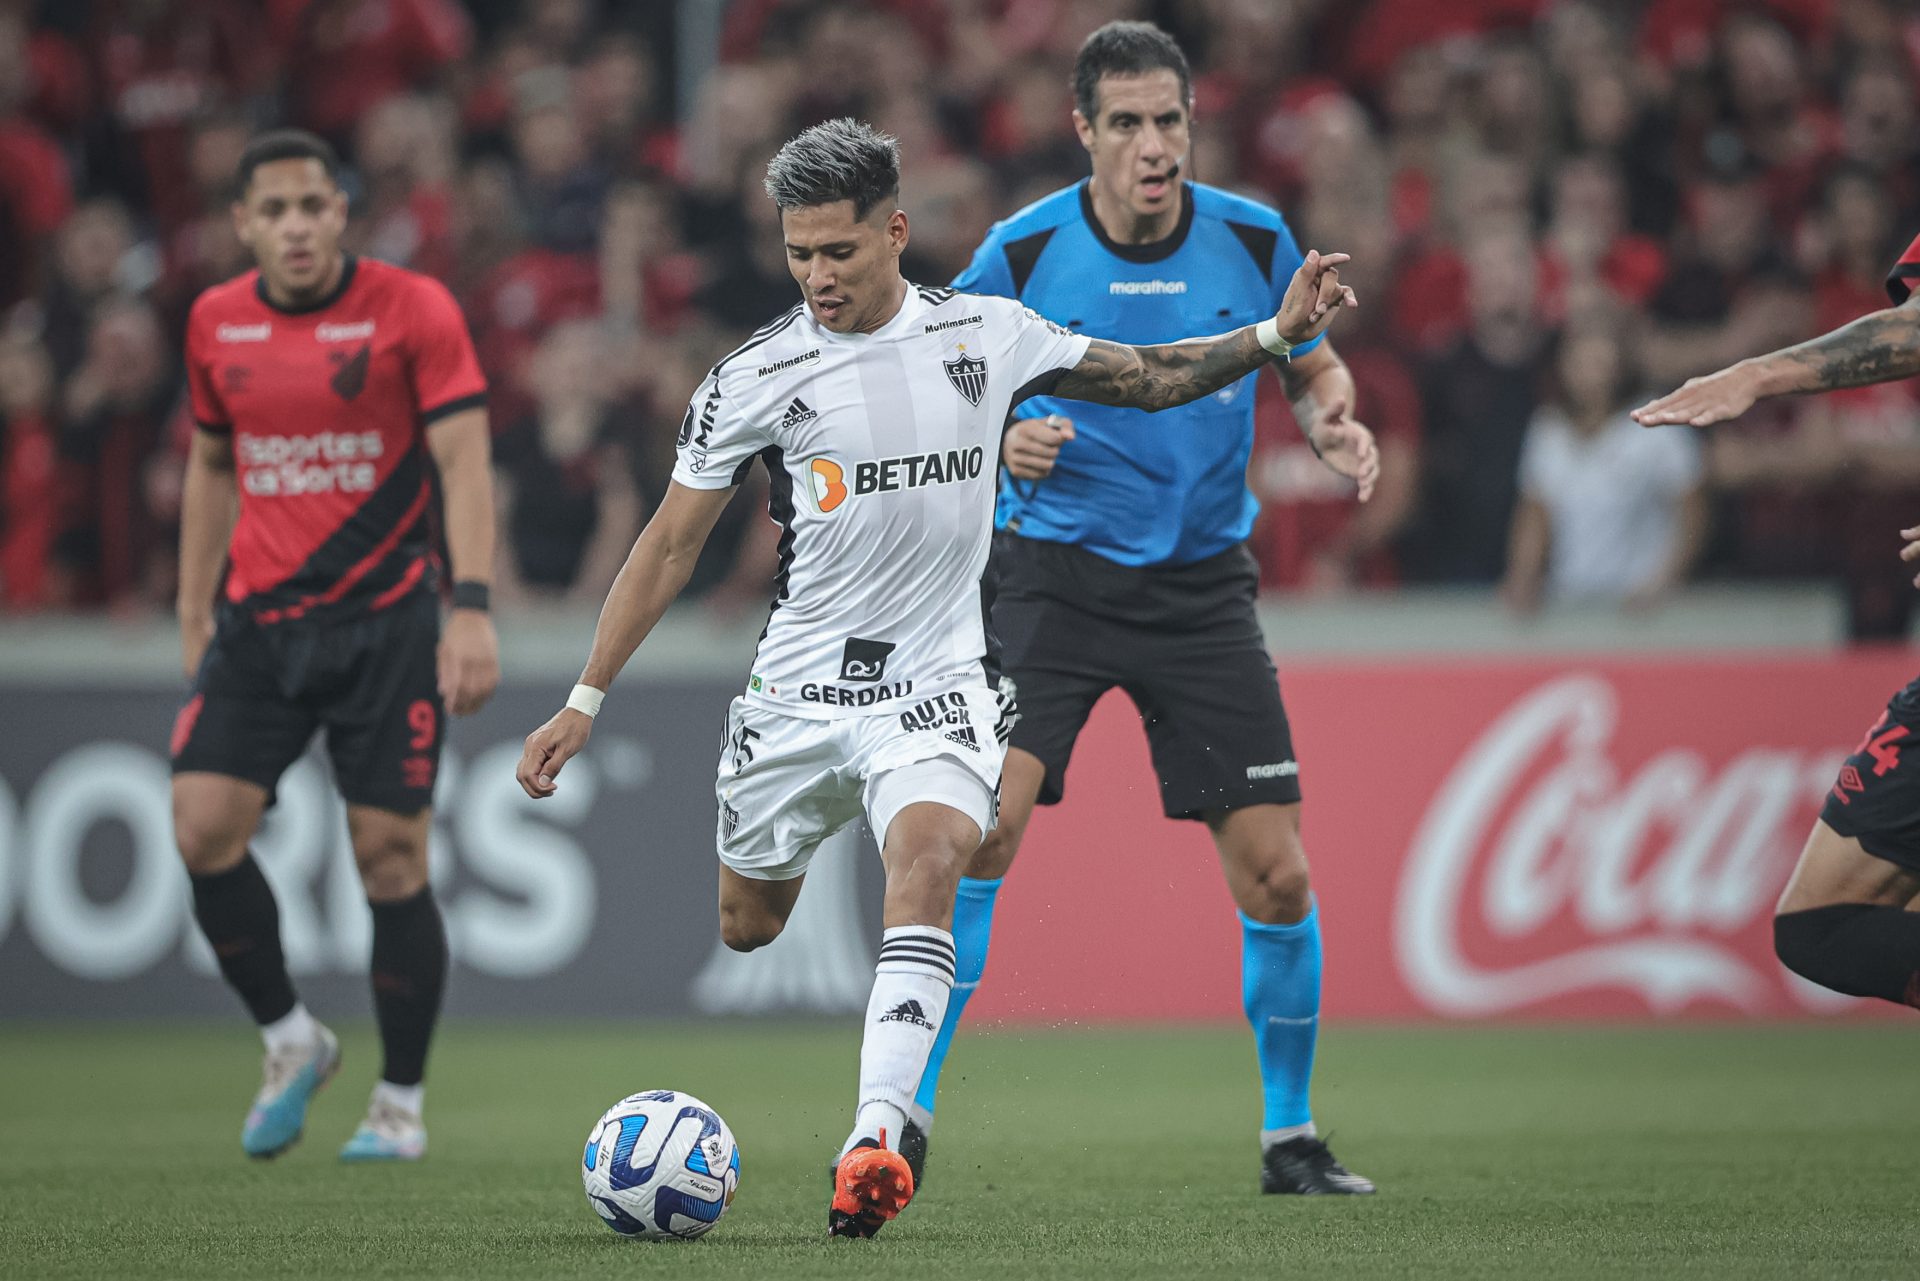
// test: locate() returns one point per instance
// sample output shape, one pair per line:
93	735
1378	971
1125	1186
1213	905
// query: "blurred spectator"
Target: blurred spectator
1609	510
163	65
407	153
1479	396
1311	534
95	257
36	190
29	499
344	57
205	250
566	485
114	405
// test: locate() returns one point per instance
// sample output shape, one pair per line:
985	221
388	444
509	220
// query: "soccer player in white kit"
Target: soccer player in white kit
876	406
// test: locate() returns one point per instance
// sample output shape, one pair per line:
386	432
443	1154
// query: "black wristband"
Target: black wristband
471	594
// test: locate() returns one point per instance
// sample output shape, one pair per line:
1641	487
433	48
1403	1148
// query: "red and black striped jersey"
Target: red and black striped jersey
1899	280
328	407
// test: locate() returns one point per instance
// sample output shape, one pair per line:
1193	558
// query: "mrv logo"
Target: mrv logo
828	478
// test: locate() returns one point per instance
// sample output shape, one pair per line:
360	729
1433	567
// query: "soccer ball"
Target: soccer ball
660	1165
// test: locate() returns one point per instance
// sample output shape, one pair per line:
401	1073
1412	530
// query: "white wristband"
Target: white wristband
586	700
1268	332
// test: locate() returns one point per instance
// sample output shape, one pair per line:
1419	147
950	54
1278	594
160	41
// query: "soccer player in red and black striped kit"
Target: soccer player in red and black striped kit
1847	918
327	390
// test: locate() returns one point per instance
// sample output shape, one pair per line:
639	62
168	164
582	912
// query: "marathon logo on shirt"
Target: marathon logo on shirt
835	696
1134	288
244	333
344	333
827	478
289	466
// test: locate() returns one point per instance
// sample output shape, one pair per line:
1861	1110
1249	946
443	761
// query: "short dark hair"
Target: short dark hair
283	144
839	160
1126	49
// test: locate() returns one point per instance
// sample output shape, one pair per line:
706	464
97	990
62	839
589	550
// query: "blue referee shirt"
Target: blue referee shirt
1138	488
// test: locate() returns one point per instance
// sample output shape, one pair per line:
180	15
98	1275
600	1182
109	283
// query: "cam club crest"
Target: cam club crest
968	374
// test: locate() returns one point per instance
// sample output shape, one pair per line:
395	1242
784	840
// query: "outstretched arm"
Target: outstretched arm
658	567
1169	374
1876	348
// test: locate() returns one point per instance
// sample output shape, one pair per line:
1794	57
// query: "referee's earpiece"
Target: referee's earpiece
1173	172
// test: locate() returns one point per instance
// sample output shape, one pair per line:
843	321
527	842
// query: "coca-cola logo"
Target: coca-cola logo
1543	869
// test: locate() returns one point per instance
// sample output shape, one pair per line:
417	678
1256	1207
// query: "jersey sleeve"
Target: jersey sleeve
988	273
717	444
1039	350
209	411
1286	260
1900	279
446	372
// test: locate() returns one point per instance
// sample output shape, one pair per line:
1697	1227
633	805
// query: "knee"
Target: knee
209	842
744	929
995	856
393	865
1280	892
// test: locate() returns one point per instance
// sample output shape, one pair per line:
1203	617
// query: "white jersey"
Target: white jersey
883	450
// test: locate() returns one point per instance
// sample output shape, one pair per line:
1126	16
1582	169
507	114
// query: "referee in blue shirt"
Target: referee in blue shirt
1121	558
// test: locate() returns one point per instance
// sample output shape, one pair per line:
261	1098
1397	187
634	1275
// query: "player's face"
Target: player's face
1138	138
291	217
848	268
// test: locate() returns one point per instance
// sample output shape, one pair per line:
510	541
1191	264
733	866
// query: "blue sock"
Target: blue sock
972	930
1280	989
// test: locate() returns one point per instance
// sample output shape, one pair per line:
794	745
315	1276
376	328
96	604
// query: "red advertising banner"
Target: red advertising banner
1566	839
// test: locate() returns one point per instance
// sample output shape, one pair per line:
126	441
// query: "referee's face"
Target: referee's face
848	268
1138	138
291	217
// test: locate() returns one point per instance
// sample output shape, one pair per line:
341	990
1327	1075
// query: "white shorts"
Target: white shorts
787	783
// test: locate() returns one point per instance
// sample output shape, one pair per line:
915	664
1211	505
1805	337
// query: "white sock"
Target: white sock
911	985
1270	1137
408	1098
295	1030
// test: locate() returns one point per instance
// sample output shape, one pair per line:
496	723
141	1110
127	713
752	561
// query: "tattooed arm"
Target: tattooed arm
1876	348
1169	374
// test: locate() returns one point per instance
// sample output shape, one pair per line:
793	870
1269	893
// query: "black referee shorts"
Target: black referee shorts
1183	642
371	681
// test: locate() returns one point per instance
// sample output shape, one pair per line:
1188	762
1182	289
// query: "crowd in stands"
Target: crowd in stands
1555	207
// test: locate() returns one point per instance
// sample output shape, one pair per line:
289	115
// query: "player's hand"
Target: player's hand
469	661
1033	444
1347	447
196	633
1701	402
549	748
1911	552
1314	297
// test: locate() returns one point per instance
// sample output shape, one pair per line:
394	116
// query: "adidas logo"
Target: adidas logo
798	415
907	1012
963	736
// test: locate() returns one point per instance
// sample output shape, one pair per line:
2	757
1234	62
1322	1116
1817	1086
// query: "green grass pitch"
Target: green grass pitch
1712	1151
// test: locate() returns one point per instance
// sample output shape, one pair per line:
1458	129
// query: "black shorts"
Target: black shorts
1876	799
1183	642
371	682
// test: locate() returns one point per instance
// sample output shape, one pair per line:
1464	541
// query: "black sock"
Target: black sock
240	918
409	972
1856	948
